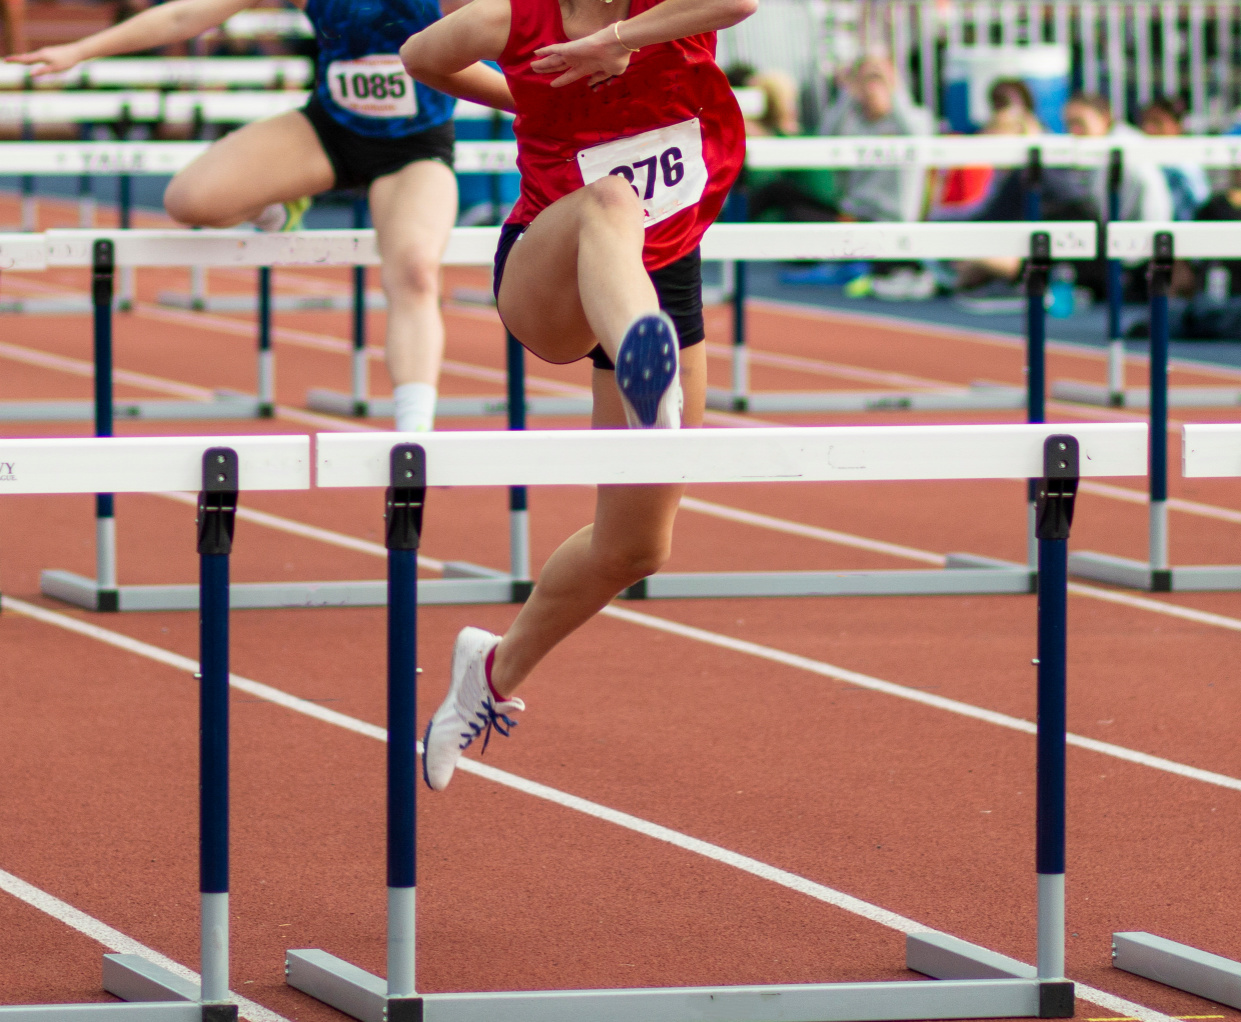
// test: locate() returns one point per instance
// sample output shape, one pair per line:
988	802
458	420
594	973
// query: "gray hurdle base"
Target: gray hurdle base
1160	243
1178	965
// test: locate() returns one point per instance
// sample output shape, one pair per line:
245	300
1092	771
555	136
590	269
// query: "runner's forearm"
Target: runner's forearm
478	83
676	19
172	22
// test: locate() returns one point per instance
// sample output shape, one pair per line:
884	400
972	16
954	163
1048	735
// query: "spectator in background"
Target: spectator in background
1144	193
963	190
800	196
1187	182
874	101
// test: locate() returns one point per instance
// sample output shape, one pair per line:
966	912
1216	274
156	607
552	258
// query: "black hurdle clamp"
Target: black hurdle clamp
1058	487
219	1013
406	495
1162	257
403	1009
1038	264
217	501
103	271
1056	998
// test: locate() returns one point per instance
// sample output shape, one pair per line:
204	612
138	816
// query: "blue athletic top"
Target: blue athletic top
372	96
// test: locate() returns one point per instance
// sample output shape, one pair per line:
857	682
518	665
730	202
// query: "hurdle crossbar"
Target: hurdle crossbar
218	467
634	457
1163	243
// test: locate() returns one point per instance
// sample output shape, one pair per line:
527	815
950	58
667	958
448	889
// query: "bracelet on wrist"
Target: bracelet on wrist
616	32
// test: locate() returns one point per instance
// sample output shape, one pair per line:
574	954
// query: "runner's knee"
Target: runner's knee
411	274
190	205
635	559
613	197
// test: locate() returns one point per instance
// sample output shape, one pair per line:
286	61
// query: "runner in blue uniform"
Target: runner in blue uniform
367	125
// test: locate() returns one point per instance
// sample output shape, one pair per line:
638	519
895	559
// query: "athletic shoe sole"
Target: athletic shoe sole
647	373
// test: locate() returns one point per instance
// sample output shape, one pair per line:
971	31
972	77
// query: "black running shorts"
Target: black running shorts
358	159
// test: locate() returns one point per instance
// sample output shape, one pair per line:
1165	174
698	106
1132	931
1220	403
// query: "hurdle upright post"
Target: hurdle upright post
1038	273
1032	179
518	496
217	506
103	269
405	499
1160	283
266	357
360	382
125	222
1057	490
1115	288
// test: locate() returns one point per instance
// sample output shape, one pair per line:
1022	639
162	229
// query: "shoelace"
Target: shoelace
490	719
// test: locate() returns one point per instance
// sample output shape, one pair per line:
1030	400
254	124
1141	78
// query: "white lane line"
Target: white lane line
744	863
866	681
117	942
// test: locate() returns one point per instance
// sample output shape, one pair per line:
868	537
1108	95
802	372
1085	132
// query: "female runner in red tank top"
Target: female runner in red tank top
628	140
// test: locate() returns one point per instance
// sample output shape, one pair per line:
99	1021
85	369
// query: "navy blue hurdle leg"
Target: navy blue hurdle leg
1038	272
518	506
102	280
1160	280
1057	490
217	504
406	494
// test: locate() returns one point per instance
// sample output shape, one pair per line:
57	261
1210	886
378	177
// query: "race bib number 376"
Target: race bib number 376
664	167
373	86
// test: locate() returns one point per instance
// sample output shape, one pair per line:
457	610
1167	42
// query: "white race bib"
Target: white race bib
373	86
664	166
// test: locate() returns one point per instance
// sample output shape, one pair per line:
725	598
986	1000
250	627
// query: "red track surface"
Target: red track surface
912	808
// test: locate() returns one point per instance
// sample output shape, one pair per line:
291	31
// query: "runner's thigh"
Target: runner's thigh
539	300
275	160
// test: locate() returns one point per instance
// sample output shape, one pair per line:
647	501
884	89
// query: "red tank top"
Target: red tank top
669	124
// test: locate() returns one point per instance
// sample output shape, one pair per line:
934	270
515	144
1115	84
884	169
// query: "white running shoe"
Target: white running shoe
469	709
648	373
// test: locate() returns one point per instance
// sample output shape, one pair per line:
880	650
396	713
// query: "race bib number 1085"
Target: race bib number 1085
664	167
373	86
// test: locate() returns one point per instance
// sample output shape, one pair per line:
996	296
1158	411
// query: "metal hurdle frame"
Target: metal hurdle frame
217	467
1219	151
975	982
467	583
1207	450
1161	243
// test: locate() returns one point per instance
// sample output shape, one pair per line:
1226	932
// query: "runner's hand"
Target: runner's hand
600	55
48	60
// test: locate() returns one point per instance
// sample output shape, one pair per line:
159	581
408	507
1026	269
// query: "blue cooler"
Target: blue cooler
970	71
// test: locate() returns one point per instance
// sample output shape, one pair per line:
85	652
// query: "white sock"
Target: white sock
415	407
272	218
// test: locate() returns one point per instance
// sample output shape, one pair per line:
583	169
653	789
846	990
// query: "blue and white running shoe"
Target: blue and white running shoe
469	709
648	373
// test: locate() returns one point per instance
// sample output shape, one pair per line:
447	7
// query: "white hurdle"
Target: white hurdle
1135	241
968	981
964	573
1162	244
218	468
1209	450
